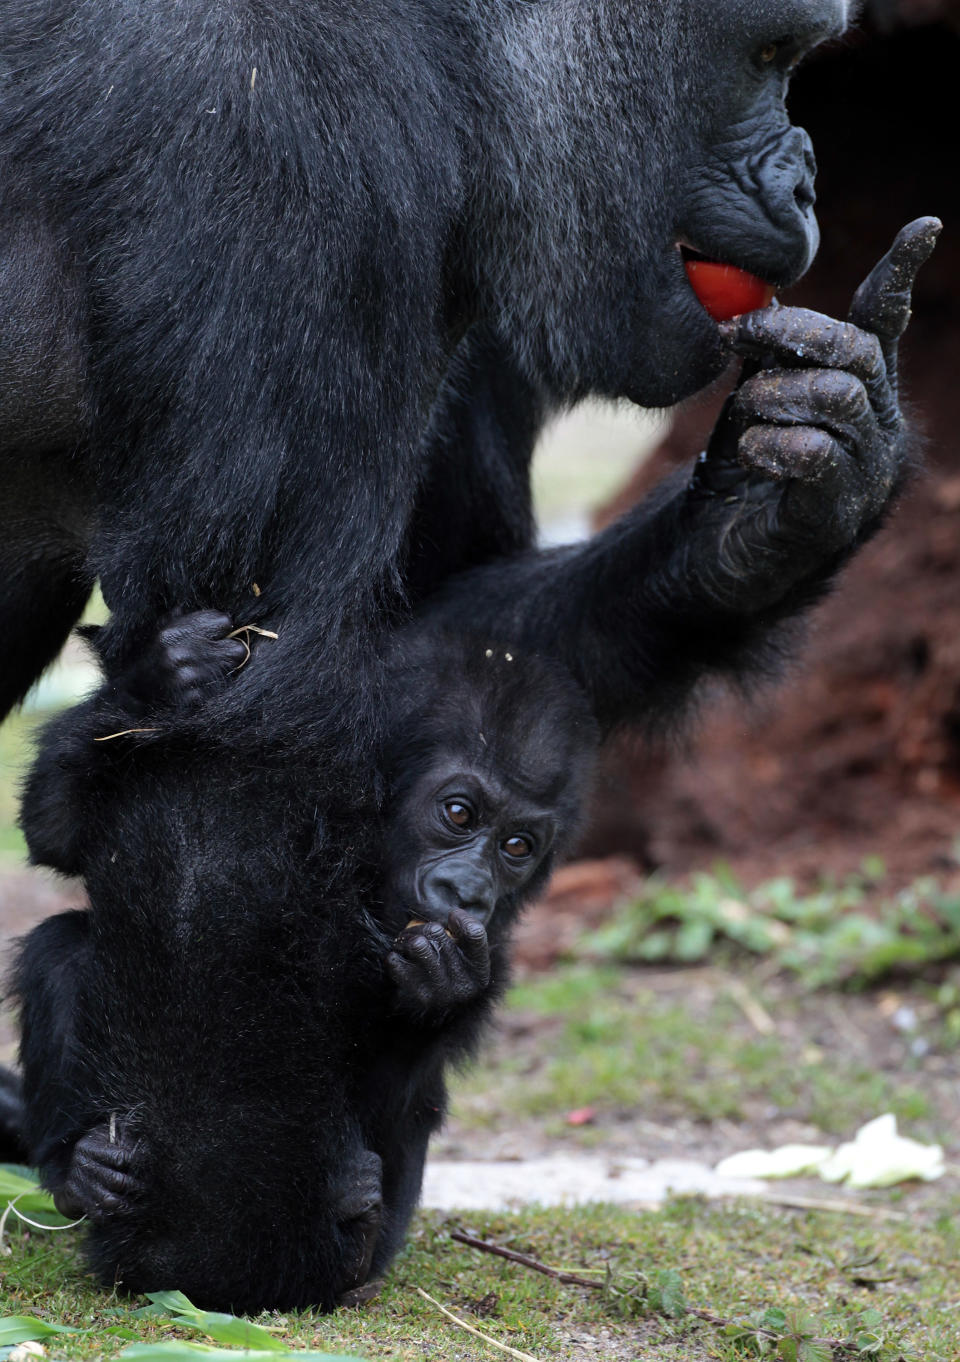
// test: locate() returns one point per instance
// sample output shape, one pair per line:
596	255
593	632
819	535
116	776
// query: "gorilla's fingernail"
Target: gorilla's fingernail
729	331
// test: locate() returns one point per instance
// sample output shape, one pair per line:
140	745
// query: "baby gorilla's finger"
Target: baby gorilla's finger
470	936
409	979
199	624
882	302
828	398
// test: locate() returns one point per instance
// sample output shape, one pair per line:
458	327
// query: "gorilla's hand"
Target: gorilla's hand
191	653
105	1179
811	446
437	970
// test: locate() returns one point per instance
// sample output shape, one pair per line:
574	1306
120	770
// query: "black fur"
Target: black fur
288	292
346	1029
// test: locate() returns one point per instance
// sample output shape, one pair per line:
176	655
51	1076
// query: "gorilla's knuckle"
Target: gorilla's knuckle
871	354
474	932
841	394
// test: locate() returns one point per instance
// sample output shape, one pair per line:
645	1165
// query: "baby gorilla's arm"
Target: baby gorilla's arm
438	970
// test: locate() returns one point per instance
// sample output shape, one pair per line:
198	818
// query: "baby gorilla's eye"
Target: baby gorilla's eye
769	53
518	848
458	813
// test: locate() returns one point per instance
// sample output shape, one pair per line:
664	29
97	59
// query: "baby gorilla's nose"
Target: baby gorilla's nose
459	883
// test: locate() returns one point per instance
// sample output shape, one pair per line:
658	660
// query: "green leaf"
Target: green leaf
670	1291
223	1328
173	1302
29	1329
19	1184
775	1319
814	1352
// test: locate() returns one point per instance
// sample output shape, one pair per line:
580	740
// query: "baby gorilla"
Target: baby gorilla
488	757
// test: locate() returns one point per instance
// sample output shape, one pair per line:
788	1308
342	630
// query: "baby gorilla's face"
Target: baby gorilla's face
462	837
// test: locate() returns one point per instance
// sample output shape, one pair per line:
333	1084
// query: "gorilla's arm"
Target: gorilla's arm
805	460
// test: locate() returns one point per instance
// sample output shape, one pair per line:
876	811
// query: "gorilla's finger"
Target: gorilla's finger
882	302
407	977
201	624
780	452
469	934
473	947
796	337
830	398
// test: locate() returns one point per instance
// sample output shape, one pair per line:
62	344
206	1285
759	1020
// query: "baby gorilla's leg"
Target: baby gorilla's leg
12	1146
359	1212
102	1180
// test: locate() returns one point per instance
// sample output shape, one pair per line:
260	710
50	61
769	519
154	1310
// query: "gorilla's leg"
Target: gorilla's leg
359	1213
46	582
45	519
12	1147
45	982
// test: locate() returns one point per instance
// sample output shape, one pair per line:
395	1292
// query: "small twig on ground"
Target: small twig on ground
557	1273
754	1011
462	1324
718	1321
834	1205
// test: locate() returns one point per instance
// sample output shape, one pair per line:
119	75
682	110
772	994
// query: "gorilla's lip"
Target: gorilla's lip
722	289
691	255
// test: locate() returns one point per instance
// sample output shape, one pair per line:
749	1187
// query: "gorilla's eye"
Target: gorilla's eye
518	848
458	813
769	53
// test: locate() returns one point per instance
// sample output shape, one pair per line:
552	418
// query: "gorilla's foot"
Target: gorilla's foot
102	1181
359	1212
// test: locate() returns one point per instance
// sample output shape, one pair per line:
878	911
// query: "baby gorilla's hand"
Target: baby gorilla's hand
437	969
104	1180
195	651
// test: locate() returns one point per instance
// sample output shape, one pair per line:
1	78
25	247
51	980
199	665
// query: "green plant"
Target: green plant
842	934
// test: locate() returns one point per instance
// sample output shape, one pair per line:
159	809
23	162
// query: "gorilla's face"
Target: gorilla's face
461	837
671	141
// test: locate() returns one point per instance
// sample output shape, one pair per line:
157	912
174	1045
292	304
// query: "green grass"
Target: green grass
736	1262
611	1042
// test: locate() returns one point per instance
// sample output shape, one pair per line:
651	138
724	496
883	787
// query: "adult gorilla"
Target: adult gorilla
288	291
242	243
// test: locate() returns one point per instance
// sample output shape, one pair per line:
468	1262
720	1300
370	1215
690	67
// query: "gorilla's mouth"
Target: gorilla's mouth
724	290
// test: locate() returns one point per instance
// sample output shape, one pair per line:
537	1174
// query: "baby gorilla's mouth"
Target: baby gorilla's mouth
723	290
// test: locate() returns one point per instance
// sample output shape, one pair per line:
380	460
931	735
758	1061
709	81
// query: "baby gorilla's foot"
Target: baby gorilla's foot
358	1207
102	1181
439	969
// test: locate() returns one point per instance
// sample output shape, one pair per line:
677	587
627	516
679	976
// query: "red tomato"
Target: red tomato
724	291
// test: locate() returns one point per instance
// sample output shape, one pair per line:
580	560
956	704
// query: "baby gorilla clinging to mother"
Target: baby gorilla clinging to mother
488	757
